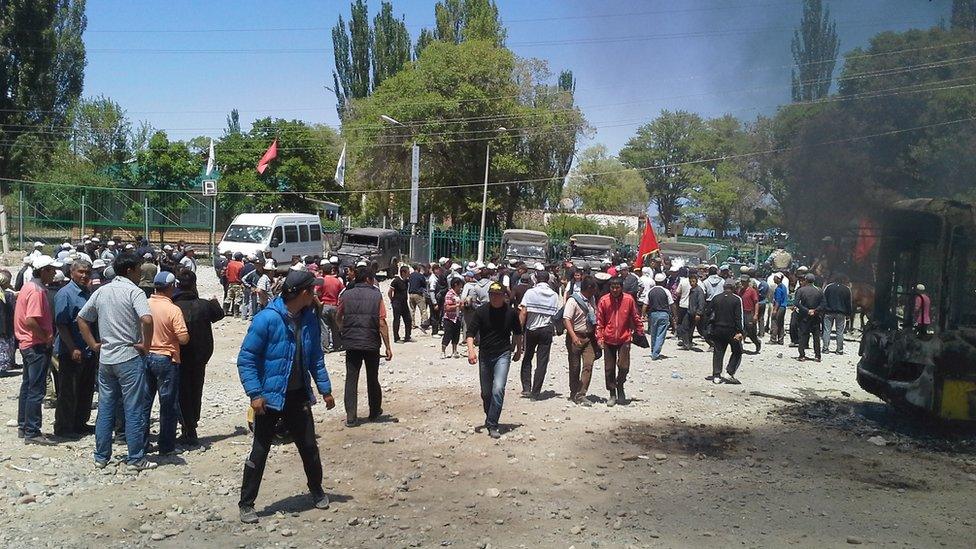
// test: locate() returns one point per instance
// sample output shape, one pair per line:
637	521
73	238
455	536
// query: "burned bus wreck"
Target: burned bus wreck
924	360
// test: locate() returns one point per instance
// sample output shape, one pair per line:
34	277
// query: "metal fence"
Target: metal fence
57	213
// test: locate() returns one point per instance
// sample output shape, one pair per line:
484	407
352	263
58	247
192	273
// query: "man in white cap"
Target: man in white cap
38	250
922	316
64	252
660	309
34	331
25	274
108	255
189	260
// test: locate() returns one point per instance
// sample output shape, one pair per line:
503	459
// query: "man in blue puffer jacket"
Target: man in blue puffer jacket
282	347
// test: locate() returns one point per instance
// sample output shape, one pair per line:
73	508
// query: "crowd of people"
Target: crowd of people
126	320
122	319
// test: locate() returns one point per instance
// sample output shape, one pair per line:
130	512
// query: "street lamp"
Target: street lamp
484	198
390	119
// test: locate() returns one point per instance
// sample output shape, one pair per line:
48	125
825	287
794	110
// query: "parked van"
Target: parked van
283	234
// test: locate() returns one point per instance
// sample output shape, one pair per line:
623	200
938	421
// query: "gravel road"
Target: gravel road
685	464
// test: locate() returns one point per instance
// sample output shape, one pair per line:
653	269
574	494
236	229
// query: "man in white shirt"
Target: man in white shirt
189	261
536	310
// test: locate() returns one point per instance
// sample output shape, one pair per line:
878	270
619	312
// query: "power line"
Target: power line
520	181
538	43
888	71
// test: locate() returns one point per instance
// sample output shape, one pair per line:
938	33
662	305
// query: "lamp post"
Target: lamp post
484	199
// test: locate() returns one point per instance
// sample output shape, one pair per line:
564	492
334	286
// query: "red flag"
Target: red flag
648	245
867	237
269	155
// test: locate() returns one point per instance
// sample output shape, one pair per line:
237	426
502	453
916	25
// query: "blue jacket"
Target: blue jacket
268	353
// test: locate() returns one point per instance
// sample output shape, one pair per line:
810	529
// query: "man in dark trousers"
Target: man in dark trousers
809	304
199	316
498	330
282	349
536	310
361	315
694	318
838	306
398	302
78	364
727	329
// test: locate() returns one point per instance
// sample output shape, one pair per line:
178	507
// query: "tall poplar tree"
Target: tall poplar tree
815	47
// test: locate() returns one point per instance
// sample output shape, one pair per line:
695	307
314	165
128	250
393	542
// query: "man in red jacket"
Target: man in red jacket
617	320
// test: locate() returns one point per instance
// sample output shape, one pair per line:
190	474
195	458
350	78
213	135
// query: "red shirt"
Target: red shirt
617	319
234	271
32	302
750	297
329	290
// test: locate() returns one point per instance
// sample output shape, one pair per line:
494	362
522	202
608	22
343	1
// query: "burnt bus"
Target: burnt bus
930	368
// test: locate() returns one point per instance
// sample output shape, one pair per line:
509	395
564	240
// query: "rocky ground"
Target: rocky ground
686	463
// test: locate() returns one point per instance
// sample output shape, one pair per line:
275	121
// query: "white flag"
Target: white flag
340	175
211	159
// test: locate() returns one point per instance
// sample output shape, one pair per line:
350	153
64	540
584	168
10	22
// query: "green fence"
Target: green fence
57	213
462	242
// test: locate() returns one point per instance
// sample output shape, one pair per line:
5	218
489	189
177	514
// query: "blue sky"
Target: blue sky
631	59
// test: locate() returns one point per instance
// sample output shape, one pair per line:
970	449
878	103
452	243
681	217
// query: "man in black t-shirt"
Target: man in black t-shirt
398	301
497	325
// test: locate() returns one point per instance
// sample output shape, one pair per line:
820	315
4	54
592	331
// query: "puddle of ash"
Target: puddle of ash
682	439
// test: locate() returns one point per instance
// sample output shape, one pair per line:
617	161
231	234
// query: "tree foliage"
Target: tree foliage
42	62
963	15
815	47
366	55
452	101
601	183
662	151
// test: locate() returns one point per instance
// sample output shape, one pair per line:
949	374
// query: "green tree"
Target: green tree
815	47
452	101
351	50
458	20
233	122
601	183
307	157
661	150
100	132
391	44
963	15
42	61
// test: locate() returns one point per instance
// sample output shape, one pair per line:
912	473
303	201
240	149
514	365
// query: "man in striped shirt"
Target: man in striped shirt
728	327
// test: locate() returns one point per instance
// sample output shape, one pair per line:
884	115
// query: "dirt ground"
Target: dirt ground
685	464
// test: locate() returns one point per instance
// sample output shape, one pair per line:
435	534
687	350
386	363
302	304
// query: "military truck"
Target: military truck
588	251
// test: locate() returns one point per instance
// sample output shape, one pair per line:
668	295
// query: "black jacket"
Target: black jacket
696	301
809	298
837	299
199	315
727	315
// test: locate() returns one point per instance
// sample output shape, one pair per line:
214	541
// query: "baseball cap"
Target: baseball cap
111	243
539	267
469	274
96	240
269	265
147	255
442	260
164	279
491	266
168	248
659	277
362	264
38	244
811	277
42	261
920	287
66	246
673	269
455	267
724	267
496	288
513	262
472	265
98	264
297	281
623	267
334	259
